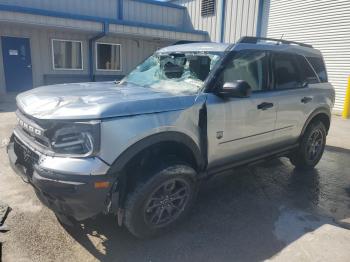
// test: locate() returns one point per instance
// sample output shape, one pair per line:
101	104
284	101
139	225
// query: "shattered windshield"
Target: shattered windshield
174	72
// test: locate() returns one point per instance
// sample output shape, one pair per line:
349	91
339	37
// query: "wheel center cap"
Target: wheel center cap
166	201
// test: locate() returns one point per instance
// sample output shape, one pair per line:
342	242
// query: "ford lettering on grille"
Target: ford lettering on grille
29	128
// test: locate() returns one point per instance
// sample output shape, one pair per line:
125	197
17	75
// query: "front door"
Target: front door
241	127
17	63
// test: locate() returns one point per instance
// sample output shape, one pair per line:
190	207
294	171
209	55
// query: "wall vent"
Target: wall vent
208	7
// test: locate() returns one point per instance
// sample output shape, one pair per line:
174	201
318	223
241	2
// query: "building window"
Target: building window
208	7
67	54
108	57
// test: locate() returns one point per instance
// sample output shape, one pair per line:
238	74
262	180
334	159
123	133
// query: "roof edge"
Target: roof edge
167	4
58	14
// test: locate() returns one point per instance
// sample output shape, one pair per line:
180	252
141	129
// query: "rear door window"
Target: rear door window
286	74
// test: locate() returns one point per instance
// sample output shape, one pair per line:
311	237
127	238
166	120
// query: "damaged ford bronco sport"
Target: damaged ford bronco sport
139	147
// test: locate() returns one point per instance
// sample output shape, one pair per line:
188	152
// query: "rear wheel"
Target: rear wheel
311	147
161	201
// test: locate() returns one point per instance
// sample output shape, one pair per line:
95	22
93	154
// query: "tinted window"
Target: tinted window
108	57
319	68
285	71
249	66
307	73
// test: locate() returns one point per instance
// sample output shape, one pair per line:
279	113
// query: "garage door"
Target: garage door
325	24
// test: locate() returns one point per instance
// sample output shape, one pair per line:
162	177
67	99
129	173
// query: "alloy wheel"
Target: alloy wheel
314	144
166	202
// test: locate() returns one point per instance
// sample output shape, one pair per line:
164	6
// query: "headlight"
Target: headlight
77	139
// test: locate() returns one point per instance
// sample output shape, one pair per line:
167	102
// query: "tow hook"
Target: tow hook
112	203
112	198
120	215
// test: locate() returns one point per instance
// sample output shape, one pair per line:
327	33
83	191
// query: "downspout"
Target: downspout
260	17
92	40
120	9
222	22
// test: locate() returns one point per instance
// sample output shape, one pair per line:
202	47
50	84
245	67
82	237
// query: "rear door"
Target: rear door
293	77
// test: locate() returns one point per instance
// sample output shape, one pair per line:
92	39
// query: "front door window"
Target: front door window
249	66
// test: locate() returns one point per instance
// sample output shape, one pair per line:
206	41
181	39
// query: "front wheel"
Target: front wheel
161	201
311	147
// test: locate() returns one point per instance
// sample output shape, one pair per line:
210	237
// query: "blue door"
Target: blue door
17	63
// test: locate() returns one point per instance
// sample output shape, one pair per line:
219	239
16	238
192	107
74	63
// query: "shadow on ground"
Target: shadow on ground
248	216
8	102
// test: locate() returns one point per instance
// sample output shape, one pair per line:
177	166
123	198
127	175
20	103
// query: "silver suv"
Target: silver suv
139	147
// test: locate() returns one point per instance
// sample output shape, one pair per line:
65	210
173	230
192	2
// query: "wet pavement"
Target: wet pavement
251	214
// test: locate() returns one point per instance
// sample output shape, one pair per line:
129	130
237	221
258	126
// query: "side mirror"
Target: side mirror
239	88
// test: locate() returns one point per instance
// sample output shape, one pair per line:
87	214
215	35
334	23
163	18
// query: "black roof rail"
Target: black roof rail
255	40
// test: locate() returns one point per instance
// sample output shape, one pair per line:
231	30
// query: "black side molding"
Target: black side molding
252	160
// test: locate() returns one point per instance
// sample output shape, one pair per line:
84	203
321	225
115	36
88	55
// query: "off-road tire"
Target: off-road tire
137	200
300	158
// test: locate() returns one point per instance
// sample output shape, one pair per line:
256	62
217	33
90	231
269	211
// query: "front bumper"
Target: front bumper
70	193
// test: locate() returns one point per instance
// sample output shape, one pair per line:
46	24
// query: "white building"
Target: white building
224	20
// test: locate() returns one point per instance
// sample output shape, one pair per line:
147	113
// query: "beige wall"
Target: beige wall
132	10
133	51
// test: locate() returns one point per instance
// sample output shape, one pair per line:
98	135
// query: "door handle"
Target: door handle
29	66
306	99
264	106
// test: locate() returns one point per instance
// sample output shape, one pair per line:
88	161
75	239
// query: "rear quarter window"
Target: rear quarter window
319	67
306	71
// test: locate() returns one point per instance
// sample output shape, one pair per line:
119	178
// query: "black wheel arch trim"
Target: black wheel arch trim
318	111
169	136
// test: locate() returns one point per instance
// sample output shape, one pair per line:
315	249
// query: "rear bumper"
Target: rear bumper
69	194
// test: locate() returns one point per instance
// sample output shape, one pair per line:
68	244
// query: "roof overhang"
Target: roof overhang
46	18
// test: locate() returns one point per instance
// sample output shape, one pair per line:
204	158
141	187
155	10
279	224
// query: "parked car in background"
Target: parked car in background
139	147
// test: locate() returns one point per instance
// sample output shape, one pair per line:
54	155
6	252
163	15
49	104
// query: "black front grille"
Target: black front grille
25	156
32	130
42	141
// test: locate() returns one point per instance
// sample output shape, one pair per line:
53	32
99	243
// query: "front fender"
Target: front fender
119	134
170	136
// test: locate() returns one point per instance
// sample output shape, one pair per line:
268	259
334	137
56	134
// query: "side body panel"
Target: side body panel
118	134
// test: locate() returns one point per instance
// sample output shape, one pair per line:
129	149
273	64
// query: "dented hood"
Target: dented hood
98	100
